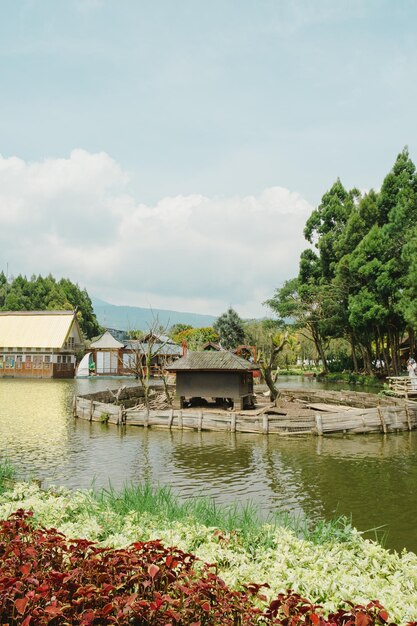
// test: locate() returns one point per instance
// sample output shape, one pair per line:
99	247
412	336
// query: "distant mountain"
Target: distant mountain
134	317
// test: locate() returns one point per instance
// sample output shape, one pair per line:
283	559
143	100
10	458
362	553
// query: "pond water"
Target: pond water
373	478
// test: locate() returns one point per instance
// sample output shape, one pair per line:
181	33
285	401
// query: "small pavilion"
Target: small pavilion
213	376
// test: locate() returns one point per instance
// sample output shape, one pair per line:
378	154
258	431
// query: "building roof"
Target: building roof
156	338
211	345
138	345
211	361
106	341
35	329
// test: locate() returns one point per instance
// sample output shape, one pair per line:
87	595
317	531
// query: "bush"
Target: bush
46	578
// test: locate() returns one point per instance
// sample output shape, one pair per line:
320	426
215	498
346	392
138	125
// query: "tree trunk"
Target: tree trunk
268	366
352	347
412	342
319	347
367	358
396	350
267	373
384	351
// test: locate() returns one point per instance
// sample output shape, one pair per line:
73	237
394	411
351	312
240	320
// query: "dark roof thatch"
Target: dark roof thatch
211	361
211	345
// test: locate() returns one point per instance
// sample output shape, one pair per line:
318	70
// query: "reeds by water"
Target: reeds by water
246	520
7	474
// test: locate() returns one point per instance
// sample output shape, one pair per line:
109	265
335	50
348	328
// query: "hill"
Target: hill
133	317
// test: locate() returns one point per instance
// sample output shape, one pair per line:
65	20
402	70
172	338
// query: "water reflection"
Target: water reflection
371	477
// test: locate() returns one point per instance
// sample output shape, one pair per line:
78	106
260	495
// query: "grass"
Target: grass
295	371
246	520
352	379
159	502
7	474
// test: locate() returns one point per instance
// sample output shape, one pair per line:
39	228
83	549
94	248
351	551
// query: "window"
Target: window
9	362
71	343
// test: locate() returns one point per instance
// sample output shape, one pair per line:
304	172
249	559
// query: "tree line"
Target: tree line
48	294
358	280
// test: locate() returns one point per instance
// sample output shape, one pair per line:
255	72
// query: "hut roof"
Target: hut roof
36	329
211	345
106	341
211	361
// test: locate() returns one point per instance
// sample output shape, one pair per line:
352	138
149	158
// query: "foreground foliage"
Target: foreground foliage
329	567
47	579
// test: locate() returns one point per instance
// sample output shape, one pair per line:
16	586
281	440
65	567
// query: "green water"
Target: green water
373	478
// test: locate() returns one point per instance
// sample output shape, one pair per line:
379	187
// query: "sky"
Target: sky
167	153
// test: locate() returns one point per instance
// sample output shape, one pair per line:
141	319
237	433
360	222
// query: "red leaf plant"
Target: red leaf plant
46	578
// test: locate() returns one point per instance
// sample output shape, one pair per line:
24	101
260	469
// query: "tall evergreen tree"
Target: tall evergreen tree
230	328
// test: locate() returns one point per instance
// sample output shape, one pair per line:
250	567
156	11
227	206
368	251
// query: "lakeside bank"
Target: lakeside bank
366	477
331	565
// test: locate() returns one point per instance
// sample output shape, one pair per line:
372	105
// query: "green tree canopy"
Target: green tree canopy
195	338
230	329
358	280
47	294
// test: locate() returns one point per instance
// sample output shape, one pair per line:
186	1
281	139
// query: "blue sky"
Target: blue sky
191	136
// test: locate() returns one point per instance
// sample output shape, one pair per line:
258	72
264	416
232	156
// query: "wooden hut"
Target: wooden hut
213	375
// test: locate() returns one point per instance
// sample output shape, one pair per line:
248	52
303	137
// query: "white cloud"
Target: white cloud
75	217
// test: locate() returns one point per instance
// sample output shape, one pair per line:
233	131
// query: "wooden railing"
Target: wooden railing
403	385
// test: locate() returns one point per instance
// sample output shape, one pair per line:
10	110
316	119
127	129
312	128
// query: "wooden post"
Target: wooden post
91	409
171	418
233	422
319	424
265	424
200	421
146	422
407	414
381	419
74	406
120	415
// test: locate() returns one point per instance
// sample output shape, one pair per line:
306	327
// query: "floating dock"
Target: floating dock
298	412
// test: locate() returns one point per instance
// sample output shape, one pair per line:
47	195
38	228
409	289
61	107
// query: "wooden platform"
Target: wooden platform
298	412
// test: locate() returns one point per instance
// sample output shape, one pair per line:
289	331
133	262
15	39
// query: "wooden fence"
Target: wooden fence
393	416
404	386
